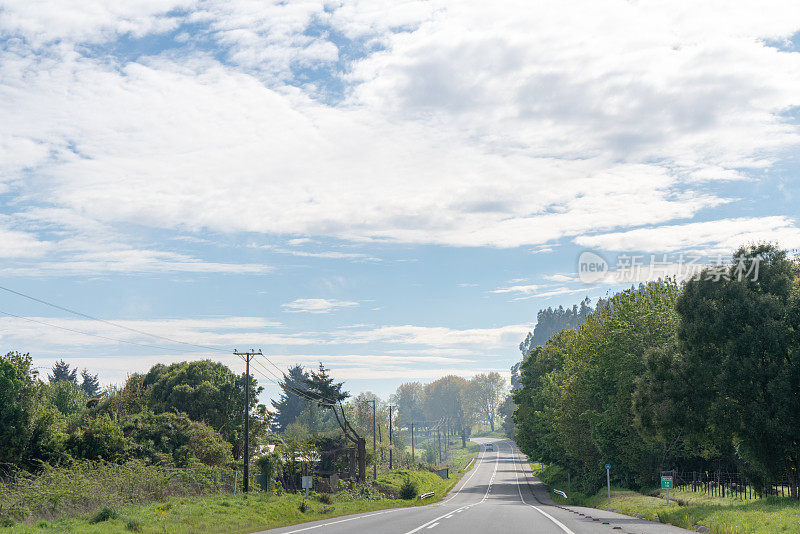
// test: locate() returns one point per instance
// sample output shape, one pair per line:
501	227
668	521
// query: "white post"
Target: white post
608	482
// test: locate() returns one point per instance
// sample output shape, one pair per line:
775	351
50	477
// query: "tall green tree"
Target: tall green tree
410	400
290	405
62	372
90	384
734	369
486	391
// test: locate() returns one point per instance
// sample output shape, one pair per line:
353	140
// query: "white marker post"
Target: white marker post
608	482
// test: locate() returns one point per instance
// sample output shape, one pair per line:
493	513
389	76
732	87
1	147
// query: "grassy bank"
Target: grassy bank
217	512
688	509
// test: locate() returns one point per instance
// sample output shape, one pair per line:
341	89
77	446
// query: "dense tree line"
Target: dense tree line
549	321
175	415
700	375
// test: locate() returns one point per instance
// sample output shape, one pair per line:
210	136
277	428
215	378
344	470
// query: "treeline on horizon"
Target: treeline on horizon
703	375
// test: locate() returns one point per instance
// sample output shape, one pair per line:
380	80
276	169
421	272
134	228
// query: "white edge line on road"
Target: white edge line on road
344	520
519	488
481	454
433	525
435	520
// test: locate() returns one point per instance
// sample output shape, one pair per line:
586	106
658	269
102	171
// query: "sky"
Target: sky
391	188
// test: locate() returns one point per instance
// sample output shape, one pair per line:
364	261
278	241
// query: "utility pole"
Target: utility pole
374	444
390	437
413	460
247	356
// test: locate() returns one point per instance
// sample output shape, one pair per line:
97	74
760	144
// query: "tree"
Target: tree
30	431
61	371
575	405
207	391
67	397
90	384
410	401
322	386
736	358
506	411
486	391
290	405
445	401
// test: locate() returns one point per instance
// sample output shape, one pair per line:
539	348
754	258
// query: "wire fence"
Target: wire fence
731	485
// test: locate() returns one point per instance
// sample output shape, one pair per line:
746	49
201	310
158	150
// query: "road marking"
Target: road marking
558	523
344	520
435	521
448	516
474	470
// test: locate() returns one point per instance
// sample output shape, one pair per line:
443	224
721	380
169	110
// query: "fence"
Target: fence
731	485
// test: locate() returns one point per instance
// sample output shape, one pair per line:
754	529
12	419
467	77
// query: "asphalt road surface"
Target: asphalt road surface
498	496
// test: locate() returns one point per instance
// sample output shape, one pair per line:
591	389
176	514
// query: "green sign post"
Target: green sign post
666	483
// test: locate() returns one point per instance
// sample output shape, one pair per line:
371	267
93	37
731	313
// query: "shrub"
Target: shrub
133	525
303	507
103	515
326	498
408	490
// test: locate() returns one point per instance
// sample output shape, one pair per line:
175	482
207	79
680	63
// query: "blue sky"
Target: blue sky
394	189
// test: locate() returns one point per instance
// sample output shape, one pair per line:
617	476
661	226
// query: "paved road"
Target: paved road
498	496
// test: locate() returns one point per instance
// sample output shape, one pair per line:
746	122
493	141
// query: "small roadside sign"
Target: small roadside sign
307	482
666	483
608	466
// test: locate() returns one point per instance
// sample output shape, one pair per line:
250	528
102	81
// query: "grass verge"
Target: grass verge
226	513
722	515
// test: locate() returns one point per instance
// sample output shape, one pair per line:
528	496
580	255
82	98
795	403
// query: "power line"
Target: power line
302	393
86	316
116	340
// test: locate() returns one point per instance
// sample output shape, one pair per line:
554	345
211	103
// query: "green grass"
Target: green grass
108	498
226	513
459	458
218	513
687	509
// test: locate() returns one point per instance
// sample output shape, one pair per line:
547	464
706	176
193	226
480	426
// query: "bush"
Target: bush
85	486
326	498
103	515
133	525
408	490
303	507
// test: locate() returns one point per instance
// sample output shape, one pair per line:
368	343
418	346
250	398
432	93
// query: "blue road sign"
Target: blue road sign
608	466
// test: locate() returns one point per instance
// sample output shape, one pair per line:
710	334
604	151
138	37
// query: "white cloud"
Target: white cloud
434	336
463	124
317	305
720	236
528	288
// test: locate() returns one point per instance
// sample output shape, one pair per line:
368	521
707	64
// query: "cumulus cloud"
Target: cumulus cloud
463	125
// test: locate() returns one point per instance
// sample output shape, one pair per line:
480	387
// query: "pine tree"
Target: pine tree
90	384
290	405
322	385
61	371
